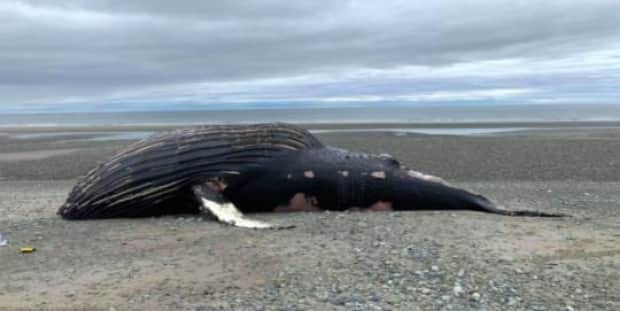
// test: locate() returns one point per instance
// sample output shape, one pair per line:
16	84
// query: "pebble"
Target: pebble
475	296
457	290
434	268
425	291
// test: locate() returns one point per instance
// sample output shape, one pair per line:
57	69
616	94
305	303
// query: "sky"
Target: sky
164	55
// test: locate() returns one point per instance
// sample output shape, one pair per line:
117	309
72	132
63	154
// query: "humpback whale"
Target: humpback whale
231	170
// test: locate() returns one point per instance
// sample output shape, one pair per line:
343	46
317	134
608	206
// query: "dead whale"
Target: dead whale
229	170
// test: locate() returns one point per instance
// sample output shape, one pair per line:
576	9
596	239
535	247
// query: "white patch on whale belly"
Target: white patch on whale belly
378	174
231	172
427	177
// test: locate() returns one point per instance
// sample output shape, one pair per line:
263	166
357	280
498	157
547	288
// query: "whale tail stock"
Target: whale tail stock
417	194
480	203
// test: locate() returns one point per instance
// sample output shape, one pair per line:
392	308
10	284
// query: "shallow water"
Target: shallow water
376	114
429	130
85	135
136	135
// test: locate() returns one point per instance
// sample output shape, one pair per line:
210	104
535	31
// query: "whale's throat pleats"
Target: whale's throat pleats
154	176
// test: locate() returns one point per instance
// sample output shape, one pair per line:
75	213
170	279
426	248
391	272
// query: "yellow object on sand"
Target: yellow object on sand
27	249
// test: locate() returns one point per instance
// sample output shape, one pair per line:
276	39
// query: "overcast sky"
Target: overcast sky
113	54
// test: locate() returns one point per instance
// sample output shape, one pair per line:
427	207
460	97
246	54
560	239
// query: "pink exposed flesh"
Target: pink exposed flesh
299	203
380	206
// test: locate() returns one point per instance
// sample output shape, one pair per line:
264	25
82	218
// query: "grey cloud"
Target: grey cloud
218	10
73	48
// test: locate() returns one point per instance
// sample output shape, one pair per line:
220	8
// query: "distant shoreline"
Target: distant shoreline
320	126
478	116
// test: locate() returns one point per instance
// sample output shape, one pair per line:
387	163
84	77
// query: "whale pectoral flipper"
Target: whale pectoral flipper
226	212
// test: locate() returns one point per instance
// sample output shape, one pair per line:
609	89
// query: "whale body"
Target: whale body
230	170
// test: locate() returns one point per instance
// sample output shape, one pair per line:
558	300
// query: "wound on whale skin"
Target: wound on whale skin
229	170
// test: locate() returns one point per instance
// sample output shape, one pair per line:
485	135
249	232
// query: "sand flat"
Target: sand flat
335	261
33	155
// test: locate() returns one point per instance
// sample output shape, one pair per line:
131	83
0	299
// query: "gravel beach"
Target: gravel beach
421	260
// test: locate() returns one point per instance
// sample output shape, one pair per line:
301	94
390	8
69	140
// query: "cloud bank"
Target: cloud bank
111	53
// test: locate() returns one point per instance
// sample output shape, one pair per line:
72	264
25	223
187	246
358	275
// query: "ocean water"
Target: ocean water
376	114
136	135
83	135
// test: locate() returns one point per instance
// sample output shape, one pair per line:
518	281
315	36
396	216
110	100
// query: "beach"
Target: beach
452	260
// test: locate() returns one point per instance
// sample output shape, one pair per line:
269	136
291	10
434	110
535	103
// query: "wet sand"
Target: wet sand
401	260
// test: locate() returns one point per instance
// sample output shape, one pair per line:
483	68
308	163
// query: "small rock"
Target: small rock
475	296
461	273
434	268
457	290
425	291
569	308
339	300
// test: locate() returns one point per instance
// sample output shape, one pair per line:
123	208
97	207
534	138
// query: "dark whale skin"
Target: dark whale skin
153	176
260	167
